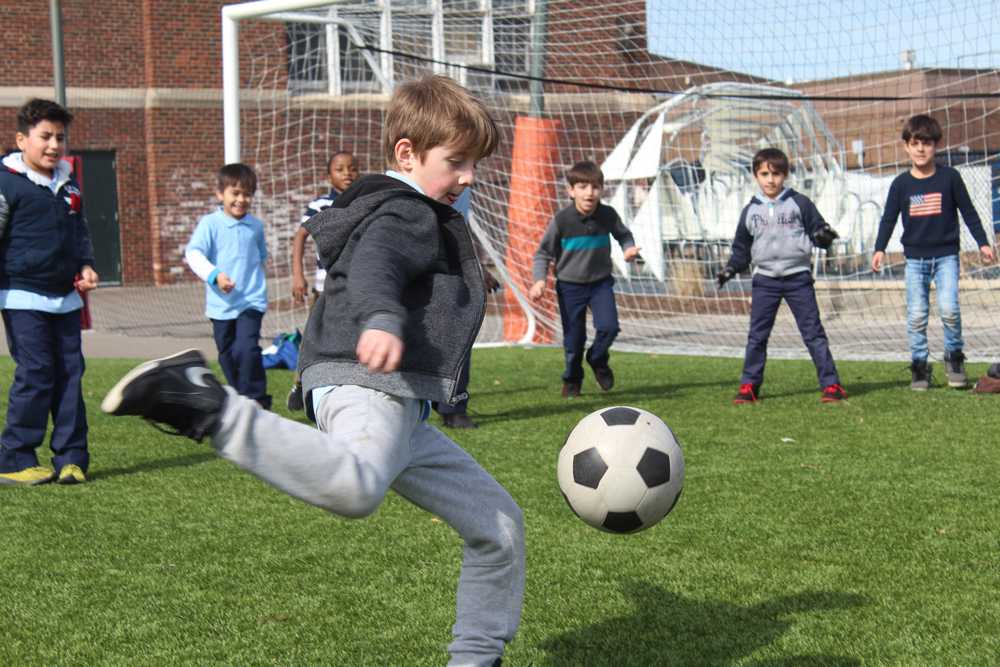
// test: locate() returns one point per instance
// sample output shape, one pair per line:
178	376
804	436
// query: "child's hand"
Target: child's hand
379	350
724	276
877	261
299	288
987	253
224	282
88	279
631	253
535	293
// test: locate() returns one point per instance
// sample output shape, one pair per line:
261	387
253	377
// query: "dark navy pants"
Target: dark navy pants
574	299
797	290
462	407
47	381
238	342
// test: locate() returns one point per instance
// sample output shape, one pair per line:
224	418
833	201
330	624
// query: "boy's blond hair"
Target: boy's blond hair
436	111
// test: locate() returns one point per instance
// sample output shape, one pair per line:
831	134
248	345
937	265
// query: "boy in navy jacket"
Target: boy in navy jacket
44	244
776	233
929	197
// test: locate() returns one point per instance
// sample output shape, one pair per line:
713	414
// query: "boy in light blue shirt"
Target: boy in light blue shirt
228	252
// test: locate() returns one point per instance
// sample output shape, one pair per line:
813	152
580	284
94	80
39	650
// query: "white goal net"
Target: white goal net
671	99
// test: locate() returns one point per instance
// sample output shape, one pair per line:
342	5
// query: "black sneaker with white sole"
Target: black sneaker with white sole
954	368
178	391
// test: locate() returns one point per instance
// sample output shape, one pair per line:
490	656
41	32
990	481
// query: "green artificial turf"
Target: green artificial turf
845	534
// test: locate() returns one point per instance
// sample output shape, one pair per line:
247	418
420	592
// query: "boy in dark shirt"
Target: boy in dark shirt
578	242
929	197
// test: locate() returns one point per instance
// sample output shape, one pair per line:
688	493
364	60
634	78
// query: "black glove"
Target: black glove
824	236
724	276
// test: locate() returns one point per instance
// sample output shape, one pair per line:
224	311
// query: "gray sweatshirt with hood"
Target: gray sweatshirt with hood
776	236
399	262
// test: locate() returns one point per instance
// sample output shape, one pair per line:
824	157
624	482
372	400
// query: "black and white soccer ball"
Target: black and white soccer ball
621	469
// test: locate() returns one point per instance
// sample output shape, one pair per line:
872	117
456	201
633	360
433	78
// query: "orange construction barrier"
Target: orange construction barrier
533	202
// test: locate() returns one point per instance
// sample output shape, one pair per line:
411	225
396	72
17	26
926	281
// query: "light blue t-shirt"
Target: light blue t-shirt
238	249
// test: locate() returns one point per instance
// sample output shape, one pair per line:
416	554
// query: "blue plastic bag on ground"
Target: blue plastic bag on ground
283	351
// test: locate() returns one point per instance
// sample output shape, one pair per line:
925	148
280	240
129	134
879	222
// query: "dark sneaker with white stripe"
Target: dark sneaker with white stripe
178	391
954	368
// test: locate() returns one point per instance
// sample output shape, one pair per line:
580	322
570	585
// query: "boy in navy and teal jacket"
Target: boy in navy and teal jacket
44	246
578	242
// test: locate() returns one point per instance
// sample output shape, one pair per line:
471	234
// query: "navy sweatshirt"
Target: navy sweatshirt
44	239
930	220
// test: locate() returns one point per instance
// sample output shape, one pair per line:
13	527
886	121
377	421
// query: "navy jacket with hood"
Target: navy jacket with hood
44	241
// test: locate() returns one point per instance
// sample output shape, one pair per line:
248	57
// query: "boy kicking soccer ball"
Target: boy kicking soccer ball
404	301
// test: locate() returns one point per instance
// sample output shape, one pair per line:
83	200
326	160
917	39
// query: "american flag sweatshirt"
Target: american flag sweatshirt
929	207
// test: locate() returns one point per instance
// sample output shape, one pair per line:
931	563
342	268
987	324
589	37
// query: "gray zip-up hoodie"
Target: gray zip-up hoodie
399	262
776	236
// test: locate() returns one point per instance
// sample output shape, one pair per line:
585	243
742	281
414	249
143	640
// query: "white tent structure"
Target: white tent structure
713	131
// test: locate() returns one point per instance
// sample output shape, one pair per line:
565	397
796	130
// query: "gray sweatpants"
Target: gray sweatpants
369	442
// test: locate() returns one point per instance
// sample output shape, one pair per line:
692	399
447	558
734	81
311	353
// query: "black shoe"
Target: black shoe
294	402
605	377
920	376
570	389
178	391
459	420
954	368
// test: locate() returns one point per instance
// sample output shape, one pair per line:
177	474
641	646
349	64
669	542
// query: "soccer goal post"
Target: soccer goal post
673	124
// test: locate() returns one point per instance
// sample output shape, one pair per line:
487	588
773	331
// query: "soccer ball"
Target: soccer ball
621	469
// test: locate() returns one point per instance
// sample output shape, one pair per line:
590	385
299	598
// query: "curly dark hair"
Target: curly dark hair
37	110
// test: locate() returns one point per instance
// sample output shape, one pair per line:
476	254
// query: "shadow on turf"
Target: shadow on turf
148	466
669	629
589	401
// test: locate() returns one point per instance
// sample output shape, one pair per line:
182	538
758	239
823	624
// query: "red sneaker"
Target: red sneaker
833	394
747	393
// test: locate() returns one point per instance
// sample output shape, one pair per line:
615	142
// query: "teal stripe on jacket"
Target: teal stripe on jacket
586	242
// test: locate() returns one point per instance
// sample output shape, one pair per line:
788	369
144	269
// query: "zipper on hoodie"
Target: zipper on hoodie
453	397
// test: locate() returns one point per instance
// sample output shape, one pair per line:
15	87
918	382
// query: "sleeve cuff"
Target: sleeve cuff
212	276
385	322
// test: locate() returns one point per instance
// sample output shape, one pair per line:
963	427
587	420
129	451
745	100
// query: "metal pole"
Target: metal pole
230	88
58	71
537	65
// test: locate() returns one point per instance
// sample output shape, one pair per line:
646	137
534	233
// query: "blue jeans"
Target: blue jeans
574	299
919	274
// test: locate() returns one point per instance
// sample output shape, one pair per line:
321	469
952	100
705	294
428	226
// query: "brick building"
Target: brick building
144	80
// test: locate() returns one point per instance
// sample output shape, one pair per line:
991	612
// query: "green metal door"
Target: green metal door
100	205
